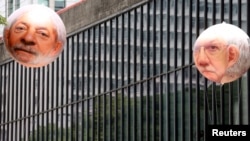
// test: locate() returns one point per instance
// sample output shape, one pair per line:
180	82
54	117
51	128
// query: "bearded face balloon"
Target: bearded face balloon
221	53
34	35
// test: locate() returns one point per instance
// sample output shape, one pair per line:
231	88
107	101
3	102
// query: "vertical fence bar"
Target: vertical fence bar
239	92
57	86
99	82
12	93
105	80
35	84
214	12
230	97
148	73
1	101
239	13
72	58
110	78
214	104
7	109
230	11
154	71
222	97
116	78
206	104
77	85
134	72
128	72
222	87
175	73
206	111
25	101
240	79
190	72
44	101
47	99
38	104
230	102
51	86
167	132
88	83
3	104
182	135
16	101
29	94
222	10
9	103
52	91
222	111
62	83
83	84
66	92
197	76
141	71
161	108
122	77
248	73
93	83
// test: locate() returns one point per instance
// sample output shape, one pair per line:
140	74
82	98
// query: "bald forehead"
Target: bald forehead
223	32
37	16
216	31
217	41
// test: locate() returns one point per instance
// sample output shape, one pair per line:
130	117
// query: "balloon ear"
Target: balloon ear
233	55
57	49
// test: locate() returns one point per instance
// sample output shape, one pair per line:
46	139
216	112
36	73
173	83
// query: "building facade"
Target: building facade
8	6
127	74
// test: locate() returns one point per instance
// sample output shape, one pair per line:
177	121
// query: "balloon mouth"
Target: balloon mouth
22	50
23	54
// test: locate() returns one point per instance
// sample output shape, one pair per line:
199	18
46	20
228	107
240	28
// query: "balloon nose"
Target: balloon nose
28	39
202	59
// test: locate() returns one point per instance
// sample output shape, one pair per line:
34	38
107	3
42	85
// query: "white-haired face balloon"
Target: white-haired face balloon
34	35
221	53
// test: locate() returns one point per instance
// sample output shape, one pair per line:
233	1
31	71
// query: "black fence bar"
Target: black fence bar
1	104
248	73
122	24
104	82
99	82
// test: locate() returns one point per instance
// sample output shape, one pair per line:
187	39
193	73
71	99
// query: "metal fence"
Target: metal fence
128	78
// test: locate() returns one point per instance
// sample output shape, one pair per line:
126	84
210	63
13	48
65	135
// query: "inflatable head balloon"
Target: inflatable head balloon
34	35
221	53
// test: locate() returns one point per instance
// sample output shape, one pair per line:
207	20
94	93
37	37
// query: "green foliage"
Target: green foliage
108	117
51	132
3	20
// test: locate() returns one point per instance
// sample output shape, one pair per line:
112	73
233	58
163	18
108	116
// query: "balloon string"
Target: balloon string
207	103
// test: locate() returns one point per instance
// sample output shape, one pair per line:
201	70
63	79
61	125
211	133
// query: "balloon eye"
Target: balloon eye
43	33
212	48
20	28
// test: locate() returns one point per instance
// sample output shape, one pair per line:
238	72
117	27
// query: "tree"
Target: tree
3	20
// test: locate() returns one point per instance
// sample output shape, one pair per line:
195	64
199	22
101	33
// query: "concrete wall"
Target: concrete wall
85	13
93	11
